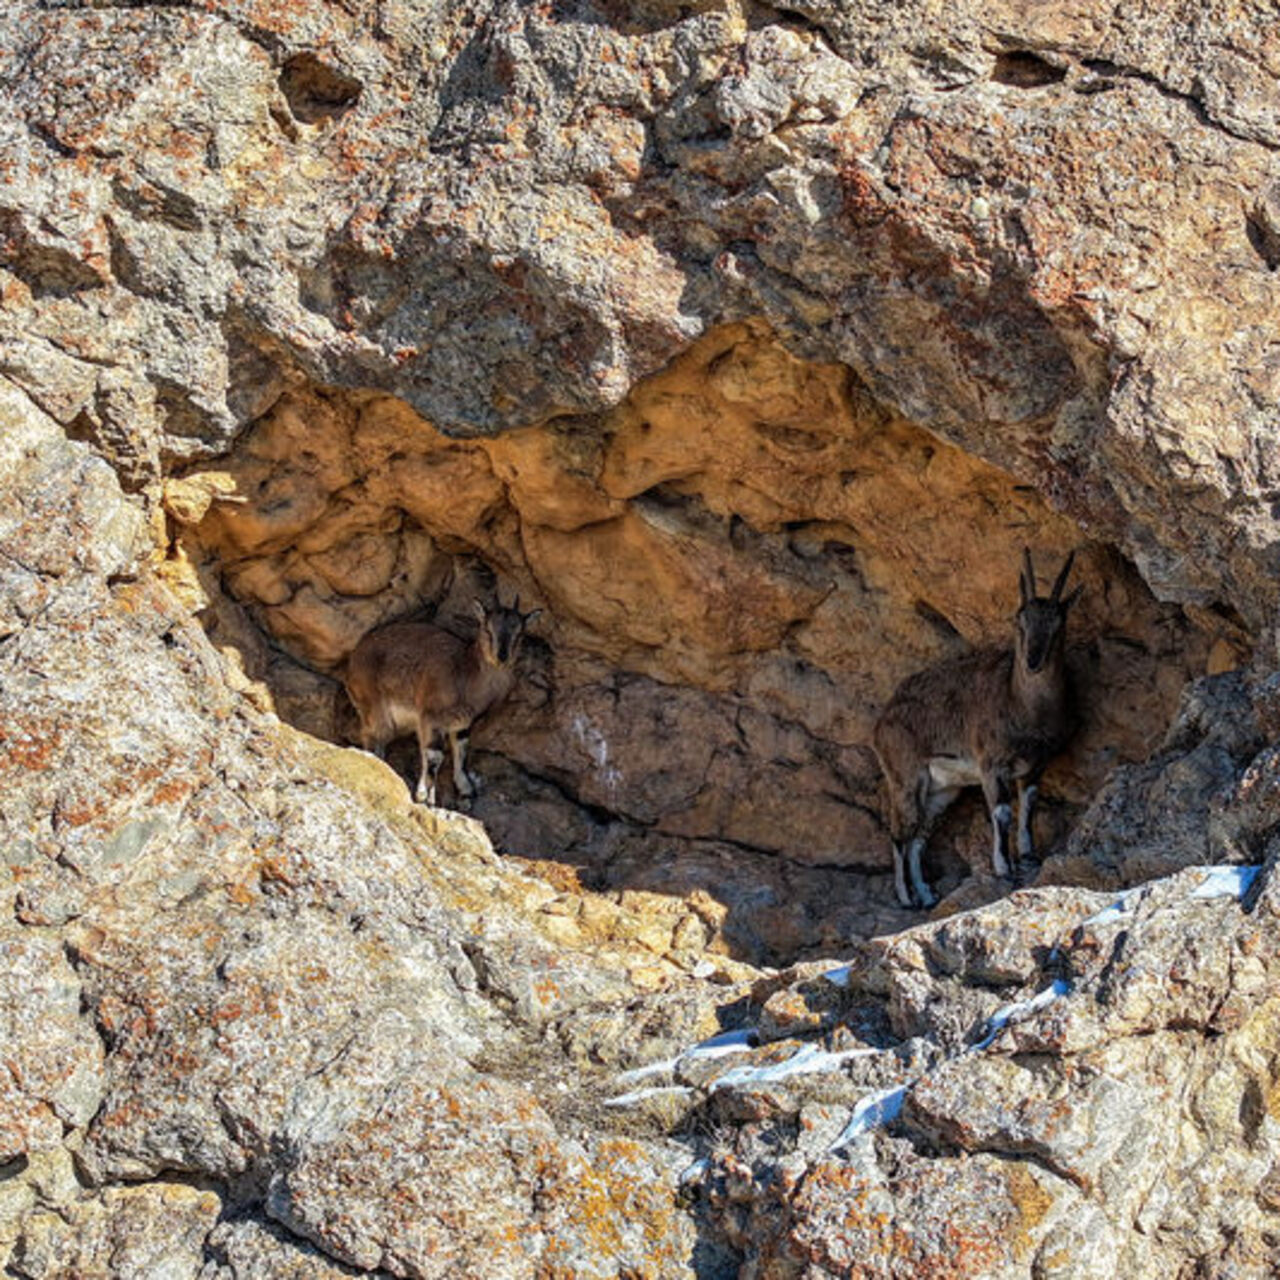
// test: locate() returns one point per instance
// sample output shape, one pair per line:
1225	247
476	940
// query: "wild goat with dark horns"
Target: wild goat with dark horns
994	718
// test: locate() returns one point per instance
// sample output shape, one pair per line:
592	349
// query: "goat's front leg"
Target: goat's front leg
1027	794
432	758
462	780
995	788
924	896
374	736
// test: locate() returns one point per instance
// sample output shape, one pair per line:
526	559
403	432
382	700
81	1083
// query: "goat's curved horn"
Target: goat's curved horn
1062	578
1028	579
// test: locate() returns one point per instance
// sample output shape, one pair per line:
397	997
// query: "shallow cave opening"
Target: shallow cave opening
1023	69
736	567
316	91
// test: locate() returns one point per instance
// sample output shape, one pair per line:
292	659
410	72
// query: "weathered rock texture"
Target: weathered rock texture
244	961
737	568
753	345
1126	1126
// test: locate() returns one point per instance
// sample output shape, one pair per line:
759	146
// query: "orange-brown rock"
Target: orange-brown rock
753	345
757	550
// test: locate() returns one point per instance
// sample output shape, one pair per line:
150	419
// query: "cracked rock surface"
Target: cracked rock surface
752	344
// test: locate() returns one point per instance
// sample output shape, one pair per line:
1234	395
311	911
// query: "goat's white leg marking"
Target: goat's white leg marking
432	758
465	783
924	894
1001	817
900	876
1026	805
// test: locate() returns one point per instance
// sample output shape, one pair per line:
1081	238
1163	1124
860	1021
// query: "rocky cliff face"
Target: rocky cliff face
752	345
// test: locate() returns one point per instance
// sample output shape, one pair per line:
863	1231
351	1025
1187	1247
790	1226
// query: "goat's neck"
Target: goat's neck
1045	688
485	682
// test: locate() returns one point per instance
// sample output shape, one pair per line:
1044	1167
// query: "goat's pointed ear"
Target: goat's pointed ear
477	607
1073	597
1027	578
529	617
1061	580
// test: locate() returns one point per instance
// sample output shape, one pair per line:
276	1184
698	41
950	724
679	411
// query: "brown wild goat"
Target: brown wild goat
411	677
993	718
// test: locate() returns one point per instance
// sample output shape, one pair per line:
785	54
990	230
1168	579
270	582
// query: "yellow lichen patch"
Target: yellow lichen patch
1254	1049
615	1210
357	771
1031	1201
180	575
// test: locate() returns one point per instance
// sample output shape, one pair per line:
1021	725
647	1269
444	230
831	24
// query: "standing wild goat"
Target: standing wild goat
411	677
992	718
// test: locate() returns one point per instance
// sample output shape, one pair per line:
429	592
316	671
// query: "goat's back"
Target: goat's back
937	711
406	665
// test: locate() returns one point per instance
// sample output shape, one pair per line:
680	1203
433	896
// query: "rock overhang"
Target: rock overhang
737	565
187	254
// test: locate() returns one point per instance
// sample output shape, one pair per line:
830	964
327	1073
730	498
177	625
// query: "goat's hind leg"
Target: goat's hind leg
900	886
934	801
903	820
995	787
910	838
919	894
466	785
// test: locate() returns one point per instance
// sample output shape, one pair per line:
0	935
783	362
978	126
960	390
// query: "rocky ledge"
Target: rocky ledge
752	345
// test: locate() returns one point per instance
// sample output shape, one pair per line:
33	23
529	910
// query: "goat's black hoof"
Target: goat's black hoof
918	902
1017	876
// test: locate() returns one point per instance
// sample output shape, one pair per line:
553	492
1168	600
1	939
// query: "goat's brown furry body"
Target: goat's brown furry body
992	718
415	678
930	722
409	672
